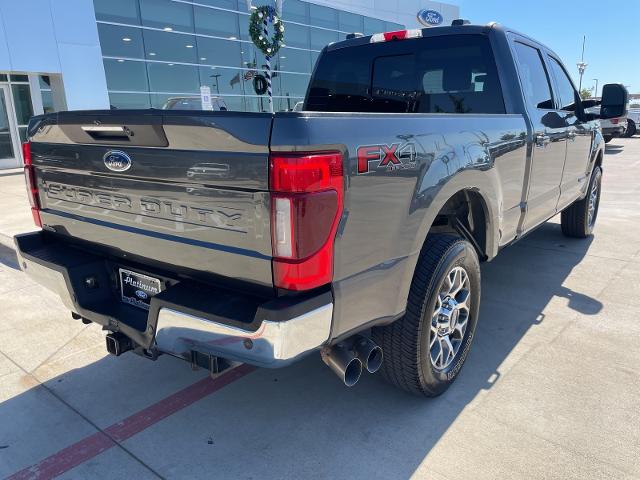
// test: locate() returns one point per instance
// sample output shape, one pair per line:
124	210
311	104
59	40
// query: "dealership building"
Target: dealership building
84	54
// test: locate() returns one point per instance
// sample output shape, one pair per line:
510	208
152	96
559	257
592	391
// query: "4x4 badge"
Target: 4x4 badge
397	156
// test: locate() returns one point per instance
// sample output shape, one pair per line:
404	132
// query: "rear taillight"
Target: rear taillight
32	186
397	35
614	121
307	192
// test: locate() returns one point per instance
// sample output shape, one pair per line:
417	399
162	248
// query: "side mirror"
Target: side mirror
615	98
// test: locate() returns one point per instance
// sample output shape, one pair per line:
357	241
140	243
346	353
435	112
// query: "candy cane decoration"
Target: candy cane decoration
269	45
267	73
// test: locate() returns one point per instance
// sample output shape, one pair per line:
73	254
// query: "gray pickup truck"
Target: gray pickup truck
354	228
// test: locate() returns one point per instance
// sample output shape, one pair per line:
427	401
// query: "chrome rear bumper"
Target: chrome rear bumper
274	344
284	332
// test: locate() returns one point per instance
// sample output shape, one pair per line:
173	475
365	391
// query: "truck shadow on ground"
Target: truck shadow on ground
301	422
8	257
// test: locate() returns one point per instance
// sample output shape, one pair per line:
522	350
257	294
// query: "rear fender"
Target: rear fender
486	184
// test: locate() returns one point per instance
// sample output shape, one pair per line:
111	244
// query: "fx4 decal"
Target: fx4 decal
397	156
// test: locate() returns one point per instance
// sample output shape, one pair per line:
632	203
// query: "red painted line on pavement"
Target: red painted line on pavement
95	444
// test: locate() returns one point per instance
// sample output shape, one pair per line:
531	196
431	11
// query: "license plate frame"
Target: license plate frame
137	289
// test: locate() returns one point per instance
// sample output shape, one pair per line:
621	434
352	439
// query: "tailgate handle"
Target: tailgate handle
106	132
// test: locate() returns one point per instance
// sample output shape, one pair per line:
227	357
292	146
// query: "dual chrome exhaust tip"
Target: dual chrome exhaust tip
349	358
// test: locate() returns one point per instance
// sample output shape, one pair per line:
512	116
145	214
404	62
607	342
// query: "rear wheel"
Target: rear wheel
579	218
631	129
425	350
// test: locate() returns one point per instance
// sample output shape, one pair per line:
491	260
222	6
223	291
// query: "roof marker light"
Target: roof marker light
397	35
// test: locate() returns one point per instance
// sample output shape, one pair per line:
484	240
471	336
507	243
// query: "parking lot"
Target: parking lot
551	388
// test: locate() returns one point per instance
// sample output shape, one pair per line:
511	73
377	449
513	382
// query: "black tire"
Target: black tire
575	220
607	138
406	342
631	129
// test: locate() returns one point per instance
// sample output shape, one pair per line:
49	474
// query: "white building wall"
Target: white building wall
399	11
55	37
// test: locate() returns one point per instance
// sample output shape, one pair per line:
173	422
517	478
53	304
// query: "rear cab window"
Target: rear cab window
441	74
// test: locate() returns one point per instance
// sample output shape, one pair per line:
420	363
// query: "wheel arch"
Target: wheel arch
482	197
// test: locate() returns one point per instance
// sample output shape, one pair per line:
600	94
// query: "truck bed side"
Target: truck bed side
389	208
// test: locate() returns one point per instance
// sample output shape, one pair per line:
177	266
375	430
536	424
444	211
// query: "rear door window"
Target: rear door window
533	76
447	74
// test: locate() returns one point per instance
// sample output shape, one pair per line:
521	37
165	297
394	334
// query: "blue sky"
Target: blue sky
610	26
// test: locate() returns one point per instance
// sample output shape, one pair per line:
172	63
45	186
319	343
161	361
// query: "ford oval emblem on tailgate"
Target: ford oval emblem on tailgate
117	161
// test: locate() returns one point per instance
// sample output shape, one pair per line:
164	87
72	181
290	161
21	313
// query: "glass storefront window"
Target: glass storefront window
119	11
253	58
6	141
226	80
129	100
373	25
292	84
126	75
121	41
218	22
169	77
286	104
323	16
230	4
47	101
296	36
44	81
167	15
350	22
235	104
256	104
168	46
212	51
183	34
161	100
314	59
392	27
22	103
322	38
296	11
293	60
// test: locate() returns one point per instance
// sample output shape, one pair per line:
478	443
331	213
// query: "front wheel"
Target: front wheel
579	218
425	349
631	129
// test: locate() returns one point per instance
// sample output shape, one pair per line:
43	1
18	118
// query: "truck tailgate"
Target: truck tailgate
194	195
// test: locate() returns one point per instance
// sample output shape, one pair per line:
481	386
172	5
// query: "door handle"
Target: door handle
572	136
542	140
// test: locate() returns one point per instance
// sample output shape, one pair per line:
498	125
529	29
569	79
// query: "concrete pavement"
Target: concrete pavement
551	388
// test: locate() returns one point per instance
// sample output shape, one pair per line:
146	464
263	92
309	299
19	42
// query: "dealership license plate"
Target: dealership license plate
137	289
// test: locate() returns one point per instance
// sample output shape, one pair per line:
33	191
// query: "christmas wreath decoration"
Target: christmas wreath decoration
257	30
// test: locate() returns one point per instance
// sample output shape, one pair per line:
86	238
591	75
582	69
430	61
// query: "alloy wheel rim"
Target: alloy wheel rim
593	201
450	318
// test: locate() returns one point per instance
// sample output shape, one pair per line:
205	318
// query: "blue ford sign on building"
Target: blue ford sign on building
430	18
